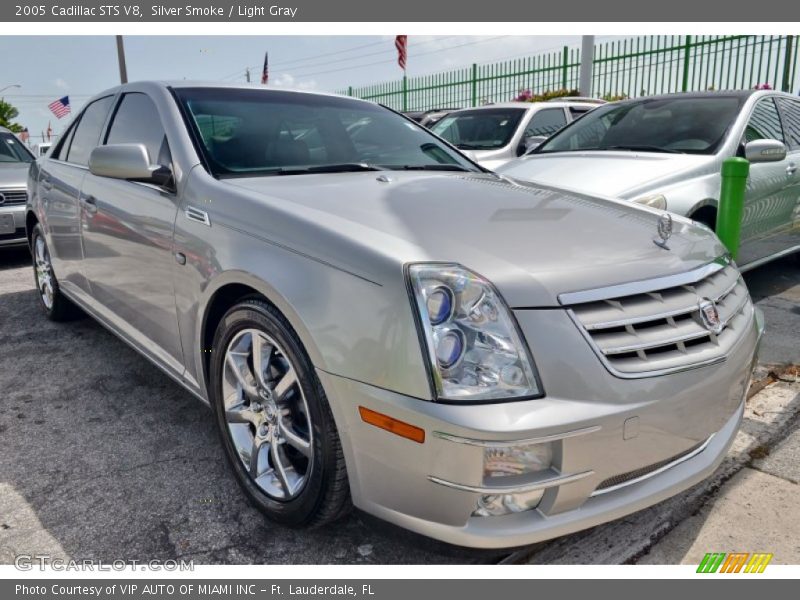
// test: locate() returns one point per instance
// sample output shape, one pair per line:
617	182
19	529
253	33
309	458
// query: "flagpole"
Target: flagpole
123	69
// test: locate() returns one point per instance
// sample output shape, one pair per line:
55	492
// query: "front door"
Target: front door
128	239
770	196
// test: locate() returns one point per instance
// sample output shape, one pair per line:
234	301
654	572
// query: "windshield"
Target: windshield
258	132
12	150
484	129
686	125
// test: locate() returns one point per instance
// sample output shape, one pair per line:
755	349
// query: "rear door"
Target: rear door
128	238
60	179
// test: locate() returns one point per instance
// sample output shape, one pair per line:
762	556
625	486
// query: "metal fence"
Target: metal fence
625	68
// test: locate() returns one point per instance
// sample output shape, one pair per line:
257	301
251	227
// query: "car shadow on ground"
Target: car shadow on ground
15	257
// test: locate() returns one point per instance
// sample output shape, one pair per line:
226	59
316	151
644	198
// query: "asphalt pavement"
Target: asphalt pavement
104	457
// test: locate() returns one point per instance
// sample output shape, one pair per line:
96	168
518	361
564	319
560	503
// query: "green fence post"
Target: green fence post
787	66
474	86
731	202
405	93
350	91
686	56
564	61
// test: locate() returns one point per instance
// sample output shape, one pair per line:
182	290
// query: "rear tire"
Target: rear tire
56	306
274	419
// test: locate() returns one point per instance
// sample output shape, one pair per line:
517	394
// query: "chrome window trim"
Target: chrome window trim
509	443
658	471
645	285
513	489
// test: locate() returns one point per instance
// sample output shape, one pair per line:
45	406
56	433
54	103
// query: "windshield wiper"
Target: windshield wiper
439	167
641	148
334	168
469	147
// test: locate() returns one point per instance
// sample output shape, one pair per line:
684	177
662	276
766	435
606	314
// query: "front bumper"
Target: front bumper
17	215
684	424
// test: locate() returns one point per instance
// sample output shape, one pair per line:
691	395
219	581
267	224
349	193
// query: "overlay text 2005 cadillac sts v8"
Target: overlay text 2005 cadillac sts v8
377	321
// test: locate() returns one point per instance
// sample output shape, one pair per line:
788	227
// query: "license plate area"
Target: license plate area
7	224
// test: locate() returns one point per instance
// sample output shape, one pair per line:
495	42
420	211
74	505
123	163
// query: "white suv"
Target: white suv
497	133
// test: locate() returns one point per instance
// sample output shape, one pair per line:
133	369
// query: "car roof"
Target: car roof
4	130
531	105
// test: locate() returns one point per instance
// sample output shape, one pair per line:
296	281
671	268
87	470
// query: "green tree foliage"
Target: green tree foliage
7	115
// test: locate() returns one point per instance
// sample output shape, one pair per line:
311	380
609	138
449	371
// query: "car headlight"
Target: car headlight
473	344
654	201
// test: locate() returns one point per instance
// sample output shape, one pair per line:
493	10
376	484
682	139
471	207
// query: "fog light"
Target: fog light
496	505
505	461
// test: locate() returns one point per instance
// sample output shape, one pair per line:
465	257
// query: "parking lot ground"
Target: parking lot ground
763	495
103	457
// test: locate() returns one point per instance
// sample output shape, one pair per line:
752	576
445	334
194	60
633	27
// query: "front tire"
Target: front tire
274	419
56	306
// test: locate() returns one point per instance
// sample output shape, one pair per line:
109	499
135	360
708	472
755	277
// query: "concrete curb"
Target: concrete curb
770	413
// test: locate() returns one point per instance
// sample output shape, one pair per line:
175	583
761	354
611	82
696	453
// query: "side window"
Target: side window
578	111
790	111
61	149
87	134
765	123
137	122
546	122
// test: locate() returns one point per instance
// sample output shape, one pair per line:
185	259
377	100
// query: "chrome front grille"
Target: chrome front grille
10	197
662	329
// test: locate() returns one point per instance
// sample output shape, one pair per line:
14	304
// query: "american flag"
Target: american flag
60	107
401	43
265	70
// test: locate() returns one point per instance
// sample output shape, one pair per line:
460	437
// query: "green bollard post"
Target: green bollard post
731	202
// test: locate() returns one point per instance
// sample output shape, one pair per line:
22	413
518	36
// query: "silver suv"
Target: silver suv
15	160
667	152
375	320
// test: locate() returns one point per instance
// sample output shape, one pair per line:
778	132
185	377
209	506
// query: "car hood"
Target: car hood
533	242
14	175
620	174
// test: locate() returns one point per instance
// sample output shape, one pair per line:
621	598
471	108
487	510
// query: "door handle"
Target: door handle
90	202
790	170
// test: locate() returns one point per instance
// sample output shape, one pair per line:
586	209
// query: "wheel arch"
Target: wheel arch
230	289
705	212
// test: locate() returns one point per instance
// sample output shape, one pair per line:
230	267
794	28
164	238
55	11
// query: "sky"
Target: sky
49	67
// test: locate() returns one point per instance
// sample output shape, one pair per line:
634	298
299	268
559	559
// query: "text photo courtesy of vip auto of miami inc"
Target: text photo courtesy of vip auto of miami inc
399	299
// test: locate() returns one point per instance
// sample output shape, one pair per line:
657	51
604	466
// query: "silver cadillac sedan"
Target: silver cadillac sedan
377	321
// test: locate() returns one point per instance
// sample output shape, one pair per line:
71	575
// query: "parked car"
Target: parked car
381	322
428	118
497	133
15	159
42	148
667	152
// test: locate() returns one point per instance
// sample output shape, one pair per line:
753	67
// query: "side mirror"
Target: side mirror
760	151
129	162
531	143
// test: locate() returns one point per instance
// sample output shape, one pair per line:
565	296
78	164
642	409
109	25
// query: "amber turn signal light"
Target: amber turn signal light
392	425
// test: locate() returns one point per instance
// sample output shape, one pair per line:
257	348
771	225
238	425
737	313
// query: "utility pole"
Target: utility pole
123	70
247	74
587	57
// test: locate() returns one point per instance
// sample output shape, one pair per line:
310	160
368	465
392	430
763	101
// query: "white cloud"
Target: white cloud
287	80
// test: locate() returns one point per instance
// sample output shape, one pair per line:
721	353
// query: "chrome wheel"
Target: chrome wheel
44	272
267	414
